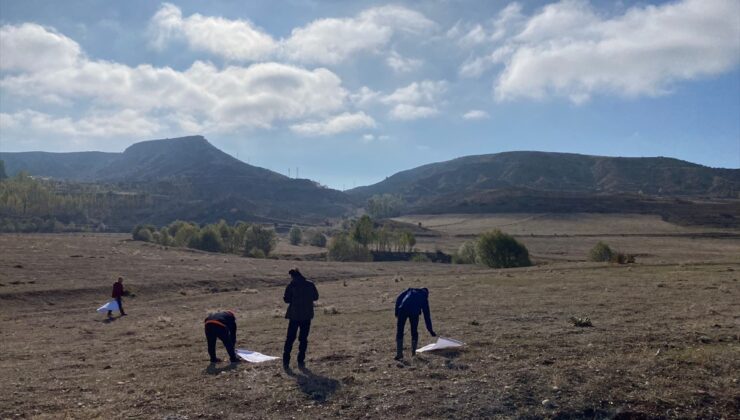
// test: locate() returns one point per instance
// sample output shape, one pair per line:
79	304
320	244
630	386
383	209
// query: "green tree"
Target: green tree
260	238
295	235
343	248
317	239
467	253
209	239
500	250
406	241
384	206
363	230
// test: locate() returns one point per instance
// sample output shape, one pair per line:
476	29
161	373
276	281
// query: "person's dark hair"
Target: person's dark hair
294	273
120	279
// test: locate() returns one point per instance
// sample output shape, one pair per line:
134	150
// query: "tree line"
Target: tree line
241	238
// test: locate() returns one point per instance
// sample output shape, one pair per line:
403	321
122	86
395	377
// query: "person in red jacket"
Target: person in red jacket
117	294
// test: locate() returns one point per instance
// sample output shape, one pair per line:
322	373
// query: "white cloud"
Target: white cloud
31	47
323	41
335	125
476	114
29	123
232	39
408	112
417	100
400	64
201	97
418	92
569	50
365	97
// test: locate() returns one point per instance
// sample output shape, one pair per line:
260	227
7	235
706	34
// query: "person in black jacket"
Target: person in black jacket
221	325
409	305
300	295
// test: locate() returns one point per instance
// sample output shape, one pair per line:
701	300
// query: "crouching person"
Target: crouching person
409	305
222	326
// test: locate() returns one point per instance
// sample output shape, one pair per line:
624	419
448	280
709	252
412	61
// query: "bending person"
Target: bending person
222	326
300	295
409	305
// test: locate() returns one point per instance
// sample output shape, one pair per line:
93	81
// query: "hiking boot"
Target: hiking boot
216	360
399	350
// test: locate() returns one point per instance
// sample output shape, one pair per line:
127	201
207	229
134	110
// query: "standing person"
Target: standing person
409	305
300	295
221	325
117	294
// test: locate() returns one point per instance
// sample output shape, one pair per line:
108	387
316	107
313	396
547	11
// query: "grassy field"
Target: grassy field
665	340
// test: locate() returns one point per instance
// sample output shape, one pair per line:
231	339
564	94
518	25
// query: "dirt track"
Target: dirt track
665	341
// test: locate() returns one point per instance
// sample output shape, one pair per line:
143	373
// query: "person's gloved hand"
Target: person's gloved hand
433	334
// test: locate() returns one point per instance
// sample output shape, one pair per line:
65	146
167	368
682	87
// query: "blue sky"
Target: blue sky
352	92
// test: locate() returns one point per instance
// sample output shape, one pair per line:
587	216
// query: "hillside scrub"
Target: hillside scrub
497	249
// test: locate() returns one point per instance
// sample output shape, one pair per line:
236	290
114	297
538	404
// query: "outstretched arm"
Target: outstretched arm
428	318
398	302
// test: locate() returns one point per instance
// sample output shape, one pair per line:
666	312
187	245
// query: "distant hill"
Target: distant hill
557	172
515	182
191	179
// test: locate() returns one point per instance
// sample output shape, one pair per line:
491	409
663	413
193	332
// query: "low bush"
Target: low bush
600	253
497	249
143	233
317	239
419	258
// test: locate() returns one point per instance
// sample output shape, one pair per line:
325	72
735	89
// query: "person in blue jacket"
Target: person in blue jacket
409	305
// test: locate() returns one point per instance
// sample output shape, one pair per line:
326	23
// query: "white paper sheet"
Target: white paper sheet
442	343
253	356
112	305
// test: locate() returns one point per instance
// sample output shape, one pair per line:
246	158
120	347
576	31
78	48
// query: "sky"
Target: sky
352	92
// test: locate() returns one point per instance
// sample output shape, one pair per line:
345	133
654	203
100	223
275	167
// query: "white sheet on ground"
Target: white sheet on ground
442	343
253	356
112	305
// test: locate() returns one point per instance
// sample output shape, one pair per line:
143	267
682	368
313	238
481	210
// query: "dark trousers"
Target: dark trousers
120	307
401	324
216	331
293	327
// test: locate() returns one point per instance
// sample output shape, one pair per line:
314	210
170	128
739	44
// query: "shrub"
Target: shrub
295	235
143	233
500	250
622	258
317	239
259	237
184	232
208	240
466	254
583	321
419	258
344	248
256	253
600	252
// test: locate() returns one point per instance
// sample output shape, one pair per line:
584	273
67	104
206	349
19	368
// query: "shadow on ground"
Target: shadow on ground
317	387
212	369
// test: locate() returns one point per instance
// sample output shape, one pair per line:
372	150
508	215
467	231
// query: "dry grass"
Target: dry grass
665	340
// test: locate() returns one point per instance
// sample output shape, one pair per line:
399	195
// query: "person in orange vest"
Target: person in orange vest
222	326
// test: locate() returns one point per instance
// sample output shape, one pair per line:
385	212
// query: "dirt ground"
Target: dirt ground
665	340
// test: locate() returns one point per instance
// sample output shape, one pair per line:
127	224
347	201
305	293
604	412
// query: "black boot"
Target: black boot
399	350
286	361
414	343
